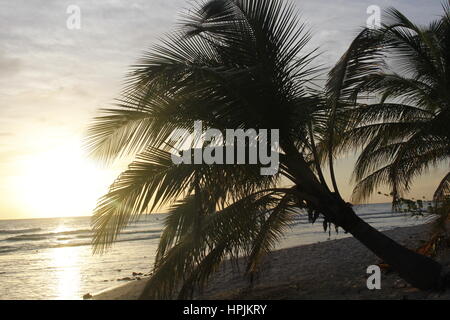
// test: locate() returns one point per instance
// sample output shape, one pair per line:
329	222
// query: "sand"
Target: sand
333	269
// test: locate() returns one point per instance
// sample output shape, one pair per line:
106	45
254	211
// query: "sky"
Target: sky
53	79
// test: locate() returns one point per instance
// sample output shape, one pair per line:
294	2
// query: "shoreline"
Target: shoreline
333	269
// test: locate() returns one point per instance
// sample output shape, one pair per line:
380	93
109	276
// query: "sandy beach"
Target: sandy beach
333	269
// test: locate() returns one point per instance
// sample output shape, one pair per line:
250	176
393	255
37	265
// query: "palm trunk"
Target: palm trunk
418	270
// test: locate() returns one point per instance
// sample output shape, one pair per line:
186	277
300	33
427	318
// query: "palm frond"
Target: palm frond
193	258
405	161
270	233
443	190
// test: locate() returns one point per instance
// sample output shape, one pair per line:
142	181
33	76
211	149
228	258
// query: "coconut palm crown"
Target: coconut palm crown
405	132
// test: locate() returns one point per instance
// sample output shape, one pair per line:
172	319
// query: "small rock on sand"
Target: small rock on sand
87	296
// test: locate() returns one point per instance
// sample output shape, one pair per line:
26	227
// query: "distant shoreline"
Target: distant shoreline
334	269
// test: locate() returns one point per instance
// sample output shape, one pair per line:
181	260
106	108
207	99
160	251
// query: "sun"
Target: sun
61	182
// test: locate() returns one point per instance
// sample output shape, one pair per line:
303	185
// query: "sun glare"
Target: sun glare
66	262
61	182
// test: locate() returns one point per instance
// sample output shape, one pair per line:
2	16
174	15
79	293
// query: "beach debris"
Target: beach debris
400	284
137	274
125	279
87	296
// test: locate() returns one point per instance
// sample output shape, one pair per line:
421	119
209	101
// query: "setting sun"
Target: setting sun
60	182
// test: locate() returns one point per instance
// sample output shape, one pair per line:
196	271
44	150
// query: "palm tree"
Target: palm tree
404	133
233	64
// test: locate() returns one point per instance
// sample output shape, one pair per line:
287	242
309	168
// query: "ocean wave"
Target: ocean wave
6	249
70	234
19	231
27	237
78	244
40	241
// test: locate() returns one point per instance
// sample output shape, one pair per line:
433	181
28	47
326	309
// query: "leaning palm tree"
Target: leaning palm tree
234	64
405	132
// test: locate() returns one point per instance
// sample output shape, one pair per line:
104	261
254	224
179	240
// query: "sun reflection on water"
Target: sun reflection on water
66	262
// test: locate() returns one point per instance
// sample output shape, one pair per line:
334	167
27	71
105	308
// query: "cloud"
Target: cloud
47	69
9	66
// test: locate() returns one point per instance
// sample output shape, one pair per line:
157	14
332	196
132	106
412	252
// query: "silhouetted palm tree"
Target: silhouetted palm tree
233	64
406	131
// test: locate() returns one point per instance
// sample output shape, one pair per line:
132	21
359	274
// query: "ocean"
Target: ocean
52	258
